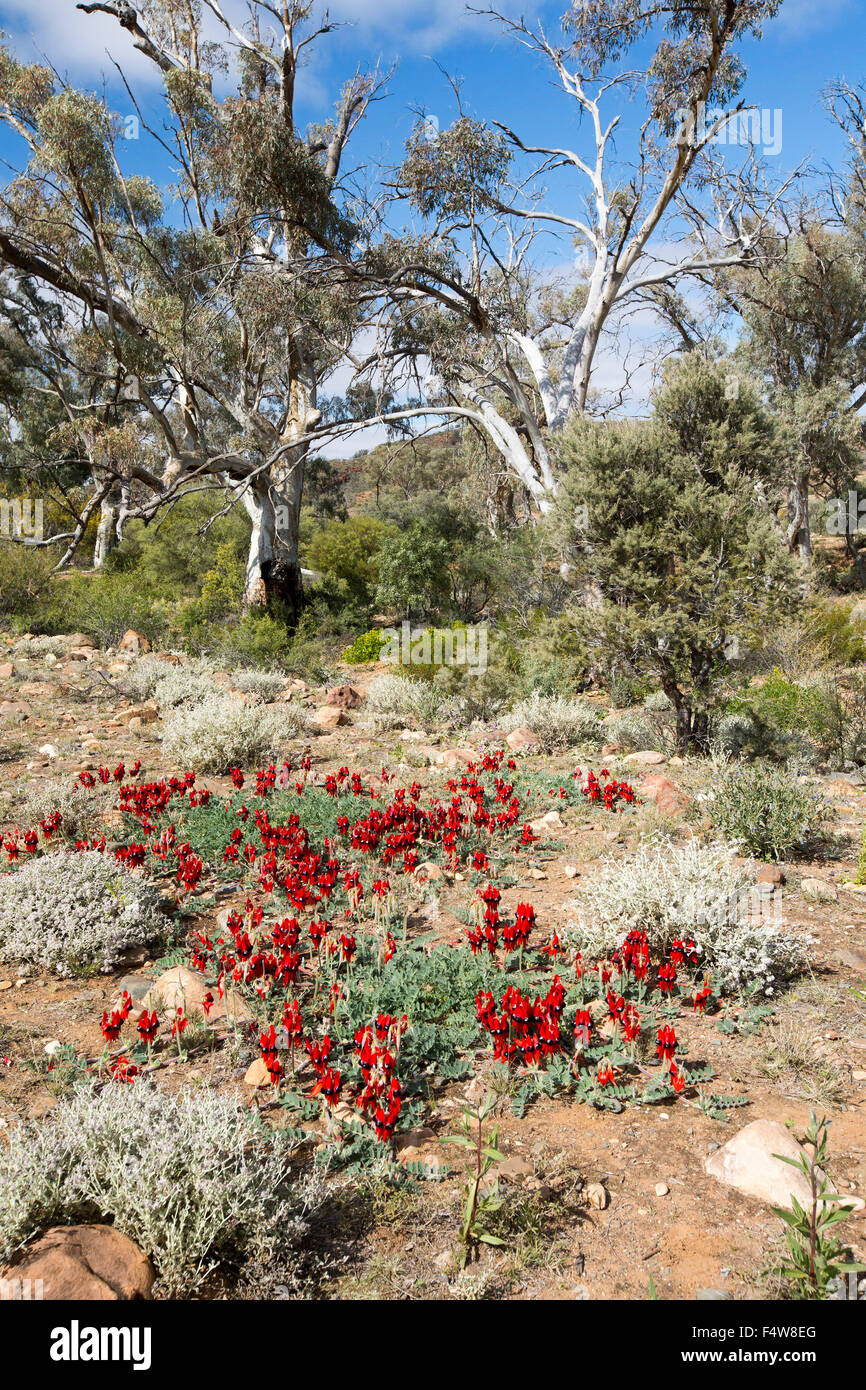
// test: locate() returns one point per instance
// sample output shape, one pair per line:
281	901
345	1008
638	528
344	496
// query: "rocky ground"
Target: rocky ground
601	1203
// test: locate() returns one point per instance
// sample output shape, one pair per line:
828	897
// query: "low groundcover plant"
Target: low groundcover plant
193	1179
72	913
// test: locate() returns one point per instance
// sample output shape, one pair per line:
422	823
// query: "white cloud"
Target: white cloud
73	42
424	25
79	44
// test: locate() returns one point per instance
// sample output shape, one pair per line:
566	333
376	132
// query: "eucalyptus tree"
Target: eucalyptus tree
199	327
516	348
803	306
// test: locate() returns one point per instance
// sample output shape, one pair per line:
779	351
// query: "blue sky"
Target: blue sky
808	45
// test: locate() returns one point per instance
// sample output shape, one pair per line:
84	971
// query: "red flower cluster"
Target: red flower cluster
377	1052
523	1030
609	795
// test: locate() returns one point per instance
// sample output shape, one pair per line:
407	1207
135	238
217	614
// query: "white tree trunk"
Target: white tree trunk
273	568
106	531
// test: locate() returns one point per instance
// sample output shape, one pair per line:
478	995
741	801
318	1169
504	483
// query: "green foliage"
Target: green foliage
413	572
839	634
815	1256
168	558
348	550
480	1202
784	714
24	580
223	585
458	169
659	520
766	811
104	606
364	648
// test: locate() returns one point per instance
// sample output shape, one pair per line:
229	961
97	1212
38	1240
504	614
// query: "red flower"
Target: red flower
583	1026
702	997
328	1085
148	1026
111	1025
667	1042
121	1069
667	978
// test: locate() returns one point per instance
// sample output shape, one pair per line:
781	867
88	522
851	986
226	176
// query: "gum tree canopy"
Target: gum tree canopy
518	347
191	348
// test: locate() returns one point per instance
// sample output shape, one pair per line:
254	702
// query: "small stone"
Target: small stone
770	873
7	670
570	871
597	1196
48	750
712	1296
257	1075
858	1075
662	1189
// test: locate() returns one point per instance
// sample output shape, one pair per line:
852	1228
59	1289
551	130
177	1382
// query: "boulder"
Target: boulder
522	738
93	1263
344	697
645	757
668	797
452	758
820	889
430	871
183	988
748	1163
770	873
329	717
257	1075
134	642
